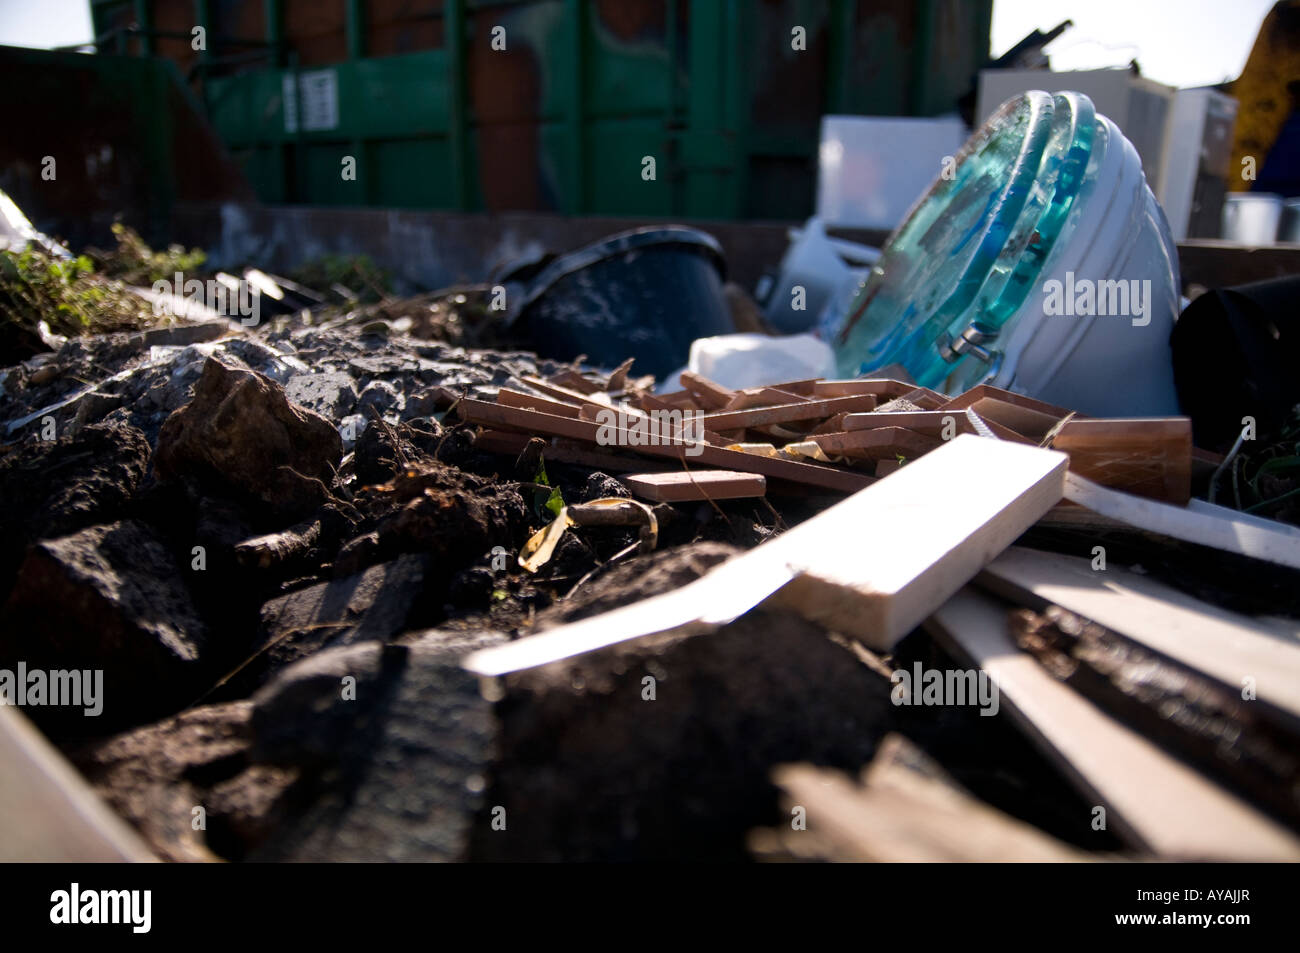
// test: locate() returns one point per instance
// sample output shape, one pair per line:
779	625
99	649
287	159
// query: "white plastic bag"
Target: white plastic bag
754	360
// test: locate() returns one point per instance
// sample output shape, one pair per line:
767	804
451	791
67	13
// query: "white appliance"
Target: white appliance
1142	108
1197	158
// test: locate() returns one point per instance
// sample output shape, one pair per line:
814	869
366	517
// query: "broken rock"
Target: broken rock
153	776
380	397
331	395
451	516
50	489
370	605
399	742
241	432
110	598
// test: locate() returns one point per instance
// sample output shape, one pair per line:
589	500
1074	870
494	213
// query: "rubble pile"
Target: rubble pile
289	555
214	518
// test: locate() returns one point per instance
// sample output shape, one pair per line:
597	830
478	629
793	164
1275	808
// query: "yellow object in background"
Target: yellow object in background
1264	92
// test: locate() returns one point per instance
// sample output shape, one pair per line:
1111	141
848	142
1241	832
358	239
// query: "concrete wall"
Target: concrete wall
430	250
437	249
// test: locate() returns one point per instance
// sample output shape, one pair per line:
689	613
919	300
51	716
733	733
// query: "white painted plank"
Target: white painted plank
1235	535
876	565
48	813
1226	512
1151	798
1222	644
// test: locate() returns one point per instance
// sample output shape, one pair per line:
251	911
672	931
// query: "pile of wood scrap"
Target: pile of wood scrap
1175	720
834	436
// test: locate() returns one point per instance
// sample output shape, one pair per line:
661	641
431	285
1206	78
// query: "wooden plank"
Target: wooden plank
1224	645
1235	535
1240	743
617	381
997	429
513	398
981	391
1147	456
924	398
1072	516
832	424
932	423
899	815
592	412
900	406
879	444
872	566
1250	519
707	393
696	485
800	388
761	397
873	570
572	380
677	400
500	441
878	387
1068	515
48	813
700	454
527	421
512	444
609	460
1153	800
1029	423
777	434
1105	431
566	394
788	413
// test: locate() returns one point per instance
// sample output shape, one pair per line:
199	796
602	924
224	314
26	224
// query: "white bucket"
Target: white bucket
1104	365
1043	264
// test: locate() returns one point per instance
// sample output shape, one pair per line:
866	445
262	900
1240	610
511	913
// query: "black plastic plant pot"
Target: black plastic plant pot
646	293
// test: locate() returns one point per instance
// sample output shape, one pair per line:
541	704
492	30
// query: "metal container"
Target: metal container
553	105
1251	218
1289	230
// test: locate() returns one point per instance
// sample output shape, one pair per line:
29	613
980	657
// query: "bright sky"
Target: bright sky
44	23
1178	42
